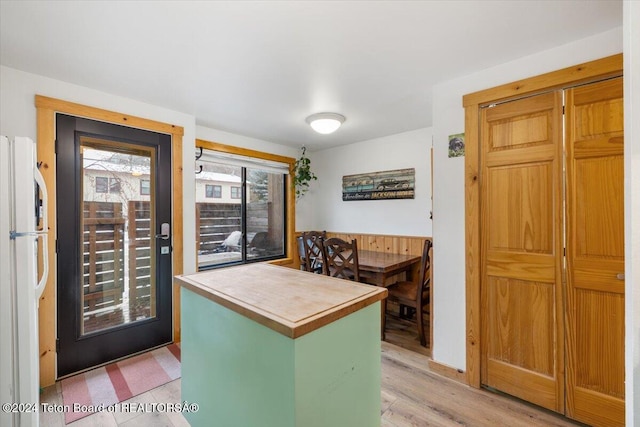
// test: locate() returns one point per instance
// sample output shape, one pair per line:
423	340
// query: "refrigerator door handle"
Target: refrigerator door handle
45	228
45	267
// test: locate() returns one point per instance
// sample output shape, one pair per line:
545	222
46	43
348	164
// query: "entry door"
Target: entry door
113	243
595	253
521	292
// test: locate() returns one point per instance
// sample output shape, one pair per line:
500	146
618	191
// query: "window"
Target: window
235	192
145	187
248	220
114	185
213	191
107	185
102	184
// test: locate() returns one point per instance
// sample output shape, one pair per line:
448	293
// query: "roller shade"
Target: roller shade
243	161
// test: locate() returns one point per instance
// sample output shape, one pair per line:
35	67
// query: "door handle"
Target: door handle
620	276
165	230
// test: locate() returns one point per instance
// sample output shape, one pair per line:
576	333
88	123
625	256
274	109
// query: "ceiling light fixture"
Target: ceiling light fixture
325	123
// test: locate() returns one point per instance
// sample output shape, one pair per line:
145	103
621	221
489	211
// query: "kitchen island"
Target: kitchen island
264	345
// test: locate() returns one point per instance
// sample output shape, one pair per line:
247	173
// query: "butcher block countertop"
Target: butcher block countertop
289	301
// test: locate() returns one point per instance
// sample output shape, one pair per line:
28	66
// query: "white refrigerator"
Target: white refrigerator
23	227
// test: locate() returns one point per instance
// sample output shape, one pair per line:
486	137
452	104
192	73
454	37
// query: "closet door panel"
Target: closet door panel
595	253
521	295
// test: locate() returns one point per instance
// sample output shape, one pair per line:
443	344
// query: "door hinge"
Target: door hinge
55	146
563	109
57	246
57	345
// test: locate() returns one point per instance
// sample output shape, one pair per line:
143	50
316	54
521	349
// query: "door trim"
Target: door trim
46	109
610	66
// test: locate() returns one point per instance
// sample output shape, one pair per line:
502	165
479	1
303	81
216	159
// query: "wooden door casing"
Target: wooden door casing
595	253
521	218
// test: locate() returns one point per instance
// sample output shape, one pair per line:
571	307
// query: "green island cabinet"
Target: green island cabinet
270	346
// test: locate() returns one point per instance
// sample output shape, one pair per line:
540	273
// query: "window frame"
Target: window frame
238	191
103	188
214	194
289	201
115	186
148	192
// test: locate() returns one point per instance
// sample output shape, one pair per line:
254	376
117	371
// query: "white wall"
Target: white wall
632	207
18	118
322	207
448	228
214	135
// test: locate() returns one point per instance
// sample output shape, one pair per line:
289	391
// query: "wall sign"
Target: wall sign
394	184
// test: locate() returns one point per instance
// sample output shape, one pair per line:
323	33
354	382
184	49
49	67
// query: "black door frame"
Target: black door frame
76	352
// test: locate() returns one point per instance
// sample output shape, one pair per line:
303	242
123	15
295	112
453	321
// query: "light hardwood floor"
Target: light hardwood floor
404	333
414	396
411	396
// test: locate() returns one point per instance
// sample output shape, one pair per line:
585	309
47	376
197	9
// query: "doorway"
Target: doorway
114	295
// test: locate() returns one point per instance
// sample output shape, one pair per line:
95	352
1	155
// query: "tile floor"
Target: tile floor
168	393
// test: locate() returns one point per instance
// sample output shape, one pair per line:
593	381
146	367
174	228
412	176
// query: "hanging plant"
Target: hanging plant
302	174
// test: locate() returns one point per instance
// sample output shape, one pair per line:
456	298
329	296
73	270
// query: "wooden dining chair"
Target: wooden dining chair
312	247
415	294
341	259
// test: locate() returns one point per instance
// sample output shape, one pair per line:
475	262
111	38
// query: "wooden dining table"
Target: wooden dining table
380	268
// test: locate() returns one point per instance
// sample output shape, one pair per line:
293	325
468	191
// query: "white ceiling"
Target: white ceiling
259	68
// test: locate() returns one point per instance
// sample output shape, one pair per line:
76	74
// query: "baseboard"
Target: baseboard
449	372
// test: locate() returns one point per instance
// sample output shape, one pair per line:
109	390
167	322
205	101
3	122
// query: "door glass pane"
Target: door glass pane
265	214
118	245
218	214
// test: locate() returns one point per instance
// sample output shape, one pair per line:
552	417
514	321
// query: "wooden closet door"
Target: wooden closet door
521	242
595	253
